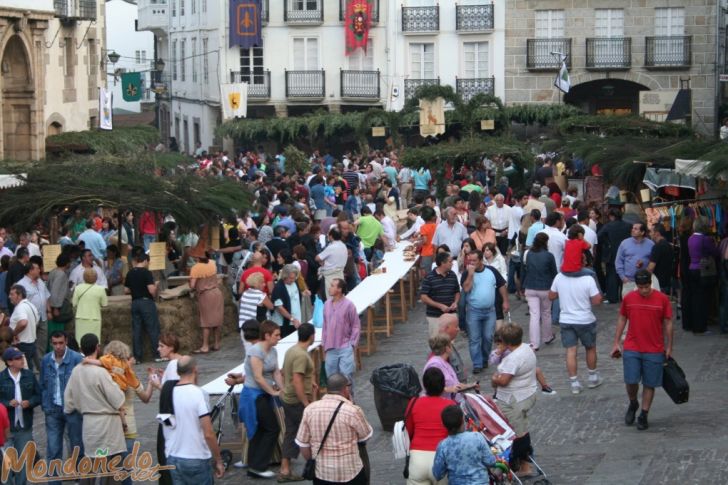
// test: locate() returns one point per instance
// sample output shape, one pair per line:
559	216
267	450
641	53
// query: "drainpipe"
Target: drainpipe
718	69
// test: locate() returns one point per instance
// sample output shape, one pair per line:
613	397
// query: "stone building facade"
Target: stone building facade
614	50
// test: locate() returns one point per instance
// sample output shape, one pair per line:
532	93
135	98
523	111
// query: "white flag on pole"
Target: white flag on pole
105	109
234	100
562	81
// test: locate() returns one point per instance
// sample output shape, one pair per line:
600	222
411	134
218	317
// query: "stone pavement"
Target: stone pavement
578	439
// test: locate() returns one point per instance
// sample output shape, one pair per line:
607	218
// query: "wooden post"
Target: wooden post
53	231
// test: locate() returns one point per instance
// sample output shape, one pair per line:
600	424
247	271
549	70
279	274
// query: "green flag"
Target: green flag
131	86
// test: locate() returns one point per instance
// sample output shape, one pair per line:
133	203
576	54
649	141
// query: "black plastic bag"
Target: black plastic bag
400	379
674	382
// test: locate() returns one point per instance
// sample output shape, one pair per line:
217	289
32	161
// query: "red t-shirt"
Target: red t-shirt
645	316
573	252
426	424
4	423
267	276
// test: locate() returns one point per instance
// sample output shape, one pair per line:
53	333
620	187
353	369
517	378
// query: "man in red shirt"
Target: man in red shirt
648	343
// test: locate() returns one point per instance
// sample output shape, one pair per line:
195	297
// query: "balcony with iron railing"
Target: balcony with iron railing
87	9
420	19
360	84
469	87
474	18
258	83
152	15
375	10
306	84
303	16
540	53
608	53
668	52
412	85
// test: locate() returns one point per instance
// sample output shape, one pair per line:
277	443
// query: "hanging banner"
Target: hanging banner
246	20
432	117
131	86
358	21
105	109
234	100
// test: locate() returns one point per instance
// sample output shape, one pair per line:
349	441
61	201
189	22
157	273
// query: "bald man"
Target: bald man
447	325
499	216
450	232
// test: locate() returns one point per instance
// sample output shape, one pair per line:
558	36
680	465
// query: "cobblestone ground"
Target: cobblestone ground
578	439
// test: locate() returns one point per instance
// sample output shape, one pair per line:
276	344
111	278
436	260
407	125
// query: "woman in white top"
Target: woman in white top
493	258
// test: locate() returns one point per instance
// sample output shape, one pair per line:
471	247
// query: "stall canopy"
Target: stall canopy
657	178
695	168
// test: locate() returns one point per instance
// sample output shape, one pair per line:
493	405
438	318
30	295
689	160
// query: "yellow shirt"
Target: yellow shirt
88	300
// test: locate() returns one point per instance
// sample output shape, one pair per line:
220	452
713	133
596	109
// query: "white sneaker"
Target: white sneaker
240	464
258	474
594	383
576	387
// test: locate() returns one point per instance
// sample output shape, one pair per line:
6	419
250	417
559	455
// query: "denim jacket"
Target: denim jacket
29	391
48	375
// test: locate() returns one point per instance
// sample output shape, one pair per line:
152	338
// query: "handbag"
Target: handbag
674	382
401	441
65	313
708	267
309	469
318	313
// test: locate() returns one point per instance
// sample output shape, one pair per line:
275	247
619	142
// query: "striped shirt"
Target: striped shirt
341	324
441	289
339	459
249	302
352	178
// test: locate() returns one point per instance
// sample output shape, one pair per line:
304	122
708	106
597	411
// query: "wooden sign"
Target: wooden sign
50	253
486	125
379	131
215	238
157	255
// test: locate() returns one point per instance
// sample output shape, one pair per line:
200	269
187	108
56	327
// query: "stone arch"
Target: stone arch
642	78
55	124
18	98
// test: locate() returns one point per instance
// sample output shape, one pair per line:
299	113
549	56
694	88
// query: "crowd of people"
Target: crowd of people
309	239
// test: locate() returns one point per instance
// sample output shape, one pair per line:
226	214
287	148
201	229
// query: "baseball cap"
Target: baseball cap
12	353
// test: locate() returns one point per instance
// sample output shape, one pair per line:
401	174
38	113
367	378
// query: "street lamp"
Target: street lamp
159	65
113	57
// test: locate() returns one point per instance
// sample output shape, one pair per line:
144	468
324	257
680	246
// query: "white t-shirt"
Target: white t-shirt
170	373
557	241
186	439
591	237
521	364
334	255
76	276
575	298
25	311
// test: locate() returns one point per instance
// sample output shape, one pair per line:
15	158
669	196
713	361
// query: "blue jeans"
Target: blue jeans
340	361
188	471
147	239
18	439
56	422
462	305
481	327
30	351
144	316
555	311
514	268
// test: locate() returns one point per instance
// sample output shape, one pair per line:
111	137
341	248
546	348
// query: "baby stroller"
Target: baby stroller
217	416
482	415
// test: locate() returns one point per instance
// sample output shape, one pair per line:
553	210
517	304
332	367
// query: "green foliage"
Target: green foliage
622	125
87	182
296	160
120	141
544	114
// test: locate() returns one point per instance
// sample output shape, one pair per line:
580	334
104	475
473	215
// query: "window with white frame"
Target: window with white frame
174	60
668	47
194	59
205	62
174	8
669	22
475	60
549	30
363	61
144	56
204	6
181	8
252	70
306	54
182	61
422	60
609	22
305	5
138	57
193	7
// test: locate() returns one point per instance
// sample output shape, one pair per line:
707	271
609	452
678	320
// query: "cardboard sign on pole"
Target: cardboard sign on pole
215	238
157	255
50	253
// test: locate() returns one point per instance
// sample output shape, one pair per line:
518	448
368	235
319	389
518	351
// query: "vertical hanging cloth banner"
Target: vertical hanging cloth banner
234	100
358	22
246	20
131	86
432	117
105	109
562	81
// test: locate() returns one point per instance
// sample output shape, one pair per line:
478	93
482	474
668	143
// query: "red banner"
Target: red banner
358	23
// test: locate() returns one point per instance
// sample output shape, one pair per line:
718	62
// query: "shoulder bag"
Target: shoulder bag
401	441
309	469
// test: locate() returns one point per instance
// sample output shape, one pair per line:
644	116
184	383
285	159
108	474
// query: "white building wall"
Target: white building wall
122	38
71	100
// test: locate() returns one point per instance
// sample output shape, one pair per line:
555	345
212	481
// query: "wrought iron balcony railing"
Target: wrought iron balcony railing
360	84
469	87
306	84
411	85
539	55
474	18
608	53
87	9
420	19
375	10
258	82
305	15
668	52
